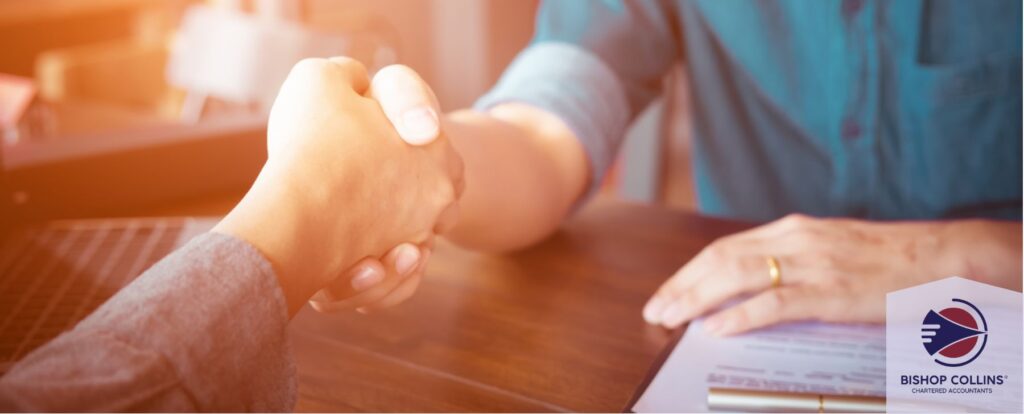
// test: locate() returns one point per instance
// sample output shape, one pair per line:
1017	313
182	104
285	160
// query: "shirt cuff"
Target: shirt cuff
573	84
215	311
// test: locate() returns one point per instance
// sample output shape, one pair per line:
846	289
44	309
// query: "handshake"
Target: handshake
358	181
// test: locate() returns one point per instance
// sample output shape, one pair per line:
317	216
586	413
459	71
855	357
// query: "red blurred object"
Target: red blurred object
16	96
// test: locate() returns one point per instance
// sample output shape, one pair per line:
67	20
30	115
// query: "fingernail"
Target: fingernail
672	316
653	310
419	125
321	295
408	256
366	278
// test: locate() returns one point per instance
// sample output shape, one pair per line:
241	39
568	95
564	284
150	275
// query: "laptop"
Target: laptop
54	273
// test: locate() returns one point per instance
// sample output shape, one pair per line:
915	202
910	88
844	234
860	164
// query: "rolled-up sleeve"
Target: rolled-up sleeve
595	65
202	330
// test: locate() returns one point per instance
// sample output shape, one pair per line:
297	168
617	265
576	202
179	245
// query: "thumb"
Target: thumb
408	103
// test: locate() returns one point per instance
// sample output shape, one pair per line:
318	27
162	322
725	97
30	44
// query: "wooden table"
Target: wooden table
555	328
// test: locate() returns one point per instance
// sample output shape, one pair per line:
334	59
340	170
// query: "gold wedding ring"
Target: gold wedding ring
774	271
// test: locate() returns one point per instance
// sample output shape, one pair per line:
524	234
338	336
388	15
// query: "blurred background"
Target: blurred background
107	103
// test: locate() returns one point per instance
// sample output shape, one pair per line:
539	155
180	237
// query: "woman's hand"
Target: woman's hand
339	184
836	270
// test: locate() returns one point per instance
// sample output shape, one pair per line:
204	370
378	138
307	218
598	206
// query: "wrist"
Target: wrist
279	219
988	251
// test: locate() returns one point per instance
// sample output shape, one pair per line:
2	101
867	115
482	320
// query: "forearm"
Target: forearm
524	172
202	330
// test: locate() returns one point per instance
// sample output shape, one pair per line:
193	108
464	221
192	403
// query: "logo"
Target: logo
956	335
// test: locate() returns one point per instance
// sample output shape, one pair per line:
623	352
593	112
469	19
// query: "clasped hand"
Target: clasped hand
341	186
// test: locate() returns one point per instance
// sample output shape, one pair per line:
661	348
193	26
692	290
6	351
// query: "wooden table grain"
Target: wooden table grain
557	327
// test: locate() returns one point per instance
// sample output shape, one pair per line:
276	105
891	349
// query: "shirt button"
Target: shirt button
851	7
850	129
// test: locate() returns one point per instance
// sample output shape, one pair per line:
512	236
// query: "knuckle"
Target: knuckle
797	220
310	66
717	250
460	187
396	75
394	69
456	161
793	218
447	193
455	164
343	60
798	217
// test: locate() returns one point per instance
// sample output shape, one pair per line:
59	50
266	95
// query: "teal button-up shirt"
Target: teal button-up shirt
875	109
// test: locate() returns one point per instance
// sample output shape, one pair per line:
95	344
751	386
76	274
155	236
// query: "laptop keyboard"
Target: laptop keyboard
52	277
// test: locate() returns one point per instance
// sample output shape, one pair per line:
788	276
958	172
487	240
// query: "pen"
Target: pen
728	399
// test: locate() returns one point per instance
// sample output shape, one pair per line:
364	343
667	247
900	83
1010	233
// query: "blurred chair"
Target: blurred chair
22	113
114	83
28	27
131	74
228	54
125	73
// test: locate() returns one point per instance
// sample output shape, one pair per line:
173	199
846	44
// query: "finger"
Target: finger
747	274
361	277
665	305
404	291
401	260
773	306
365	275
363	299
408	102
335	78
663	300
353	72
370	299
737	260
425	250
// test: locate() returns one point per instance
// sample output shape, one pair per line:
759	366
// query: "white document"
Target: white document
804	357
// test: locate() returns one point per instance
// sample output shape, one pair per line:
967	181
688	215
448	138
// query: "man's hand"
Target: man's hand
413	111
339	184
835	270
